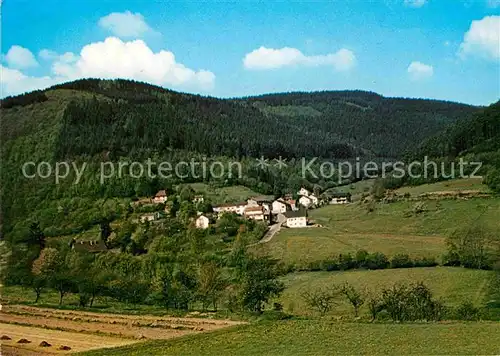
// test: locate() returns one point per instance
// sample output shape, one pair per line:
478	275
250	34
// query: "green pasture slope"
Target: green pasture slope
390	229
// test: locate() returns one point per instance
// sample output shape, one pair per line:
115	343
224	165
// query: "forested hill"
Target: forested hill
480	134
474	140
127	118
94	120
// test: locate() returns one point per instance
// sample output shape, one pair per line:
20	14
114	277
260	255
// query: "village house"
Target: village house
308	201
254	213
296	219
287	196
202	222
304	192
340	198
292	203
88	246
160	197
237	208
263	200
305	201
150	217
279	207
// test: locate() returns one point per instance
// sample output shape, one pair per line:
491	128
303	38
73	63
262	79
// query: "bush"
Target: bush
377	260
314	266
321	300
411	302
425	262
360	258
330	265
274	315
401	261
346	262
467	311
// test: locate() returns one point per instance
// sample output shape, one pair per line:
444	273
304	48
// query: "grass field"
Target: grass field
356	189
231	194
451	185
320	337
452	285
390	229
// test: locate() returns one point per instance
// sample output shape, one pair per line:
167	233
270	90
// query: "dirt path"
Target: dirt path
273	230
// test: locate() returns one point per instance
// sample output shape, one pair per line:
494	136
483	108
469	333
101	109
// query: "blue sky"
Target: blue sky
407	48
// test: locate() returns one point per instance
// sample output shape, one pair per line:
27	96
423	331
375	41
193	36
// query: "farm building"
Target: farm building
279	207
88	246
305	201
237	208
150	217
202	222
304	192
296	219
340	198
160	197
255	213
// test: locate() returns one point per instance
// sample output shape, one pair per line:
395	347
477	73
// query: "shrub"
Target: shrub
346	262
330	265
354	296
321	300
401	261
314	266
274	315
425	262
467	311
360	258
375	306
411	302
377	260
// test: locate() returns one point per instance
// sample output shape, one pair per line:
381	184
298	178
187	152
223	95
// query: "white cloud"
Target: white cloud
47	54
419	71
110	59
15	82
482	39
114	58
415	3
269	58
125	24
20	58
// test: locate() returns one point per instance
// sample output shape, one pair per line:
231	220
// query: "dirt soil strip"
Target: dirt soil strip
77	342
120	330
188	322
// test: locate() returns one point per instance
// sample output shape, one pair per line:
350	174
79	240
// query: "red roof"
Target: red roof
253	209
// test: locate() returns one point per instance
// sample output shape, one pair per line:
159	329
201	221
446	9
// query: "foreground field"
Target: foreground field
98	329
390	229
321	337
452	285
56	338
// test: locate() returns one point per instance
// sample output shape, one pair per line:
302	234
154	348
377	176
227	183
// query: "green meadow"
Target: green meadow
389	228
